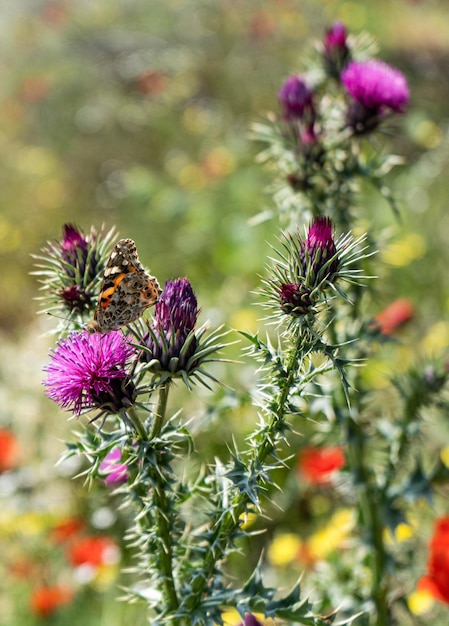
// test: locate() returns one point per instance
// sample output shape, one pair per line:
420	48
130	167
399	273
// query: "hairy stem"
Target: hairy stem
159	414
228	523
370	503
159	511
137	424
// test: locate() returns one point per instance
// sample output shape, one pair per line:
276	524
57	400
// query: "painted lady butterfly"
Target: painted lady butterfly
126	291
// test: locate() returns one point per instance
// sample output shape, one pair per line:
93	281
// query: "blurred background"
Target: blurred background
135	114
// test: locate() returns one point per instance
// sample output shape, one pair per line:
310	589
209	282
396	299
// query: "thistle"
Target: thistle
375	88
70	271
91	372
310	267
172	345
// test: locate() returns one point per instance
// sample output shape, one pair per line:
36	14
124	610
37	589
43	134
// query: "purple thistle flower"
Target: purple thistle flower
375	87
250	620
295	299
296	100
319	253
171	340
73	239
89	370
336	51
115	472
74	250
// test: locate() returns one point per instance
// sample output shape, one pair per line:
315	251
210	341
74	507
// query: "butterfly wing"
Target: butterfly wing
126	291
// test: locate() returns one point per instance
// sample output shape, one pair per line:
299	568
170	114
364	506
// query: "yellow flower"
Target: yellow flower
284	549
419	602
403	251
402	532
332	536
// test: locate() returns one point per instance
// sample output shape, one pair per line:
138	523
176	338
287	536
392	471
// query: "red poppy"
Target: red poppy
316	464
8	449
46	600
94	551
437	580
394	316
66	529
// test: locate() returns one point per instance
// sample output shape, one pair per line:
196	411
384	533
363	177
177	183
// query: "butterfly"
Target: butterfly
126	291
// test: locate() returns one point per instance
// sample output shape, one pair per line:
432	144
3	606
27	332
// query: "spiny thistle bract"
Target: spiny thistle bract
70	271
309	267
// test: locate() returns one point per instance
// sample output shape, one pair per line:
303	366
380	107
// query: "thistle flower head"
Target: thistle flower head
90	371
173	323
319	258
296	99
336	52
295	299
172	345
308	267
72	241
71	270
375	87
176	312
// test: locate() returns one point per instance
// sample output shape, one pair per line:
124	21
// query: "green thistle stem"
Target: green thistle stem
159	414
228	523
131	414
158	512
162	512
370	502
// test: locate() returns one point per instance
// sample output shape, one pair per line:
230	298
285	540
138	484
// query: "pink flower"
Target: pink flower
89	370
375	87
116	472
296	99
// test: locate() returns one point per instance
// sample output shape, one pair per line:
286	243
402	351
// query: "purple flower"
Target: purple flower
89	370
296	100
336	51
116	472
171	340
319	253
335	37
375	87
250	620
73	240
295	299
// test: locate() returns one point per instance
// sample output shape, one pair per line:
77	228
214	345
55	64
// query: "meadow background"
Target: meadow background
136	114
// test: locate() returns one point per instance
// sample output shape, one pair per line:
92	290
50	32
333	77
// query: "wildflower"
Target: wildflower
317	464
172	345
74	252
250	620
336	51
71	270
8	449
115	472
320	258
73	243
65	529
174	320
375	88
437	579
93	551
89	370
395	315
295	299
298	110
284	549
296	99
46	600
309	266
